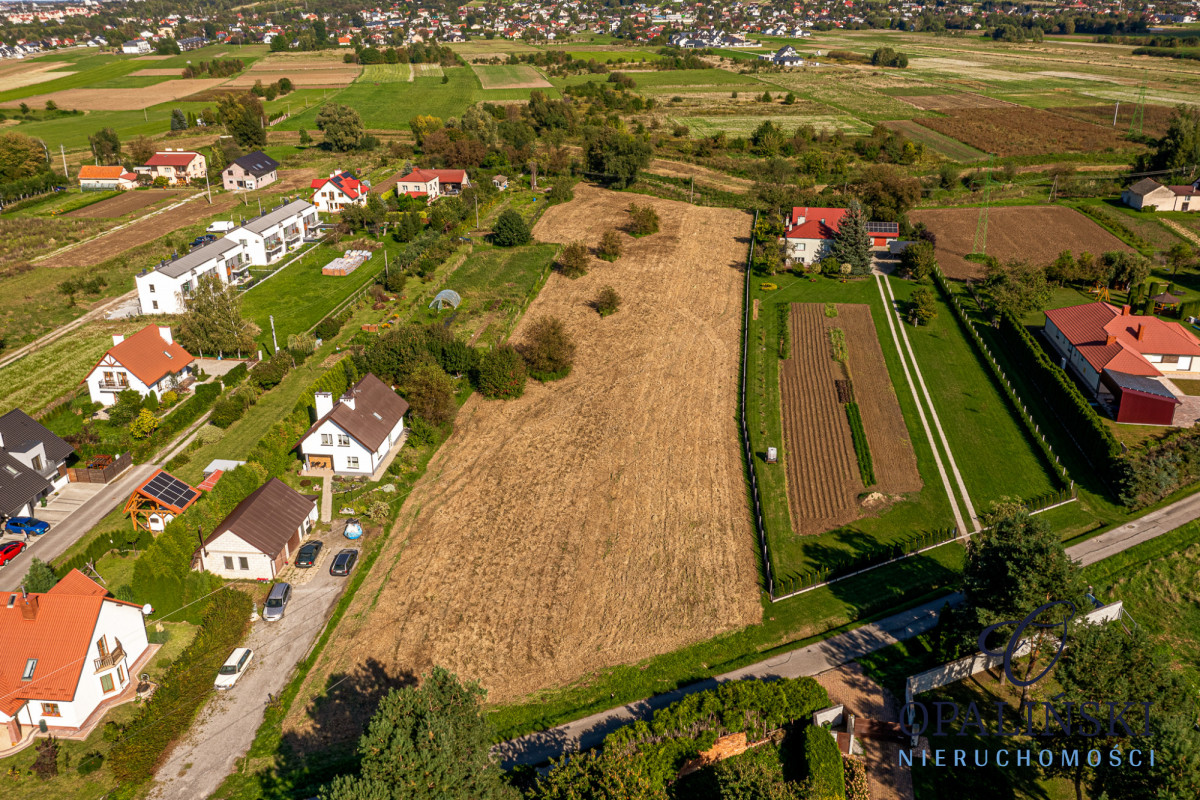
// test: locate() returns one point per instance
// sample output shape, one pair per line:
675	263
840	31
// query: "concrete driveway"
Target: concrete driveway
228	722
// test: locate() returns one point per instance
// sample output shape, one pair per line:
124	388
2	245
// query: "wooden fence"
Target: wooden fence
98	475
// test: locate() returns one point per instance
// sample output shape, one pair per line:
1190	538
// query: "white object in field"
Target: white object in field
772	455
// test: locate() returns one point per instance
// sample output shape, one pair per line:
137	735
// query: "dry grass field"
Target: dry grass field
120	99
1034	233
599	519
156	72
32	74
510	77
1018	131
950	102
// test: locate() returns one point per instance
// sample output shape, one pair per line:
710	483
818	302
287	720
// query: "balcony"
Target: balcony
292	234
112	386
114	657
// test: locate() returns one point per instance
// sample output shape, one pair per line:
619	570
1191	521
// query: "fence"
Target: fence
98	474
1039	438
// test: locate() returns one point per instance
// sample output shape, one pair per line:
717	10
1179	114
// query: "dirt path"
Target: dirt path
597	520
1186	233
37	344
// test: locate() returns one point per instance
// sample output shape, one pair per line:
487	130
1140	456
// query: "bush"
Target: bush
609	248
169	398
144	424
501	374
40	577
328	328
573	260
562	192
228	411
643	220
608	301
90	762
511	230
824	761
430	394
548	349
235	375
45	765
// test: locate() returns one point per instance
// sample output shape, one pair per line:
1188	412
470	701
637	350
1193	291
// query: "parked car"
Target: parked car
19	525
343	562
307	556
277	601
203	240
233	668
10	551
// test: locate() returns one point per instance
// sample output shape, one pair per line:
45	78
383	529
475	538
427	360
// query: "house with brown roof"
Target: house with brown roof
261	535
148	361
1125	359
1149	193
94	178
67	656
354	436
177	166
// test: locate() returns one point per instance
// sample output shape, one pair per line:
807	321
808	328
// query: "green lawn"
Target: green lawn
90	71
385	73
506	73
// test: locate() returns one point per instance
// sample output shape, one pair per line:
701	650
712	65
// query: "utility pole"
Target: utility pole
476	212
66	173
208	187
1115	110
692	190
274	341
533	175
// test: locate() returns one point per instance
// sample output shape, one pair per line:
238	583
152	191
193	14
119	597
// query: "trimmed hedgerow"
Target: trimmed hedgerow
824	764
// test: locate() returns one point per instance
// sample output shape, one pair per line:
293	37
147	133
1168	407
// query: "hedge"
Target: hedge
186	686
340	377
785	332
188	412
235	375
824	762
862	450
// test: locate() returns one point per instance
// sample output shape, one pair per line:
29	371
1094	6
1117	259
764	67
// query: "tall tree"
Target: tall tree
106	146
427	742
178	120
852	243
1180	145
341	125
141	148
615	157
242	116
213	323
20	157
1016	286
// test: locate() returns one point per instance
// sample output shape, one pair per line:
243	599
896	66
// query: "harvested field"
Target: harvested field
34	74
119	99
679	169
428	70
123	204
525	571
951	102
158	58
823	478
156	72
510	77
891	449
1017	131
301	79
1035	233
1154	118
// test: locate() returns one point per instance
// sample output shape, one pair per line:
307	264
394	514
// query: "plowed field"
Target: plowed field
599	519
1034	233
123	204
120	99
948	102
1018	131
823	479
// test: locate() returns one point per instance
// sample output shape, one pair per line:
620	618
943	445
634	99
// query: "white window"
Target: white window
229	562
352	462
30	666
800	246
327	438
343	440
243	562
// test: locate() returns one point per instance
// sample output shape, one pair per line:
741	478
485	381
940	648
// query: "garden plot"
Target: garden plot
510	77
427	70
1033	233
950	102
745	126
599	519
133	99
123	204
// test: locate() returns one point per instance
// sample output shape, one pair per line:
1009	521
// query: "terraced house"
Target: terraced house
268	238
166	288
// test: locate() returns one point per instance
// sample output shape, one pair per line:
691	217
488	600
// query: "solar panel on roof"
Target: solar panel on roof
169	490
883	227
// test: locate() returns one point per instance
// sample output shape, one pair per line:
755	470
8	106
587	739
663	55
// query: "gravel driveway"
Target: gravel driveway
228	722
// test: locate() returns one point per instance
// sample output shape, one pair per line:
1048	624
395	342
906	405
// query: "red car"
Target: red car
10	551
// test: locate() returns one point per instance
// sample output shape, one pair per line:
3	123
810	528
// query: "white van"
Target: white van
221	226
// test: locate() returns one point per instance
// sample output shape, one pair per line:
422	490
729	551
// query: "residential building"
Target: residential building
166	288
811	231
1149	193
67	656
105	179
339	190
268	238
784	57
500	182
136	47
353	436
433	183
30	461
252	171
261	535
148	361
1123	358
178	167
191	43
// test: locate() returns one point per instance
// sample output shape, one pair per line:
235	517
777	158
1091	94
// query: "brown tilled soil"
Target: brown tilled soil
891	449
1019	131
948	102
155	72
123	204
822	471
299	77
599	519
119	99
1034	233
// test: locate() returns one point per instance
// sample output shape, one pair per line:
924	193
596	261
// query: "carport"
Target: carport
1139	399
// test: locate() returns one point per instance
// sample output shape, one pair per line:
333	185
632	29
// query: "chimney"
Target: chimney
324	403
118	338
1110	340
348	399
165	332
1141	331
29	605
1125	311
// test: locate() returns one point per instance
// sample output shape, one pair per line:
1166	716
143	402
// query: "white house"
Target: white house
784	57
268	238
136	47
261	535
67	655
811	231
148	361
30	458
178	167
94	178
433	183
1149	193
354	436
166	288
339	190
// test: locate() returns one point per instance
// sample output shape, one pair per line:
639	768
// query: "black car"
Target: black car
202	240
307	555
343	562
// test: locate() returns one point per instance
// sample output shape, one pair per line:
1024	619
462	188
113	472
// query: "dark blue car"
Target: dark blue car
29	525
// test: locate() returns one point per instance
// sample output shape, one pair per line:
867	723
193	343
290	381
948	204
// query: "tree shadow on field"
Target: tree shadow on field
339	716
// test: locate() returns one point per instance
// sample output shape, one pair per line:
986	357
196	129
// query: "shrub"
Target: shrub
510	230
235	375
170	398
151	402
609	248
228	411
856	778
548	350
45	764
144	424
573	260
501	374
328	328
643	220
90	762
40	577
562	192
420	434
824	764
608	301
430	394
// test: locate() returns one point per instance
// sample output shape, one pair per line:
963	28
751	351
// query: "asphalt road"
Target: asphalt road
582	734
227	723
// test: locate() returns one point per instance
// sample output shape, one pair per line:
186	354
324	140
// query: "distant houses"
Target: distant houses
136	47
1149	193
148	361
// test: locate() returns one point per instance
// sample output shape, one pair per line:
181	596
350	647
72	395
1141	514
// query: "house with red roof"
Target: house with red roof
93	178
810	233
148	361
67	656
339	190
177	166
432	183
1123	358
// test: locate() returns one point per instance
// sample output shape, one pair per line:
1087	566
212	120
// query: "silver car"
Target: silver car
277	601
